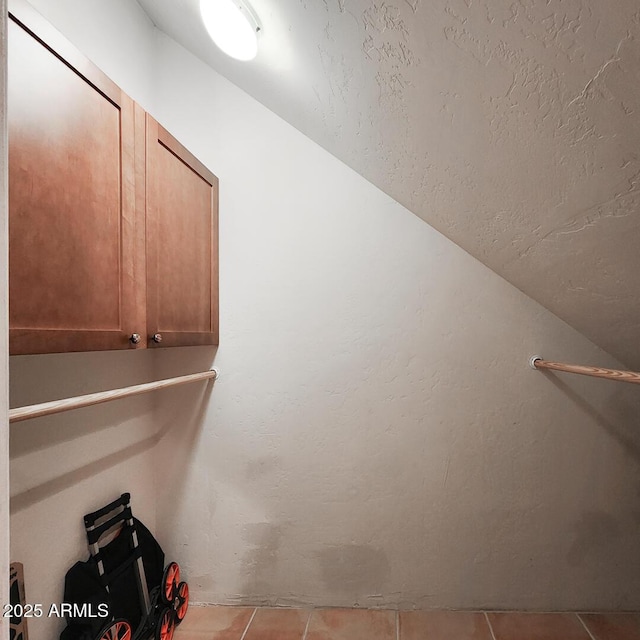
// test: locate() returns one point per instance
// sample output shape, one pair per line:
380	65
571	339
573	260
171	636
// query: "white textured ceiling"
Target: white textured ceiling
513	127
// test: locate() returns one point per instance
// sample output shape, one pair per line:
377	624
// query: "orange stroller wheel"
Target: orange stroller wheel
166	625
116	630
170	581
182	603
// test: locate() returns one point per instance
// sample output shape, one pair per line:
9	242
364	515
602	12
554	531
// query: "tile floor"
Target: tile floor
248	623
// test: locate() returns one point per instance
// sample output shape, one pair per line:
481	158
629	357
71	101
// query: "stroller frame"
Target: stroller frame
117	518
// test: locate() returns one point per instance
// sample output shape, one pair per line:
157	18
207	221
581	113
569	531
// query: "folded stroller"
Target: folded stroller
122	592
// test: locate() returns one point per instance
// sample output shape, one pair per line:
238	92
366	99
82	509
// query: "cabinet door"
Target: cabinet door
182	244
76	240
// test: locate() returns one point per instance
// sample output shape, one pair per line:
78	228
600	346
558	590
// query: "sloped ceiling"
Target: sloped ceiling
513	127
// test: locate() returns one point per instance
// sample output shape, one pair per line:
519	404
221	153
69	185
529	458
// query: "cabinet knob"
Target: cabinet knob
135	338
157	337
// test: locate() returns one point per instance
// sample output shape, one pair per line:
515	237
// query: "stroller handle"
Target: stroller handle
122	501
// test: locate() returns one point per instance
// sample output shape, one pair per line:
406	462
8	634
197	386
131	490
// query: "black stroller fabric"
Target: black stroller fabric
84	585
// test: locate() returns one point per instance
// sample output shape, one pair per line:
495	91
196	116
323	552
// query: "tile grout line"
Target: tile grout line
253	615
304	635
584	624
486	617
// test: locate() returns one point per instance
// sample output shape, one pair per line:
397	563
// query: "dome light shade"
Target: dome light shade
232	26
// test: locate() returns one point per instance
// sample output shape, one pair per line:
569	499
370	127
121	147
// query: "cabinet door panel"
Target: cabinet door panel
72	202
182	244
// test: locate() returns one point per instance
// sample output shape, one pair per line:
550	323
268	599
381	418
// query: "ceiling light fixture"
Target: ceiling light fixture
233	26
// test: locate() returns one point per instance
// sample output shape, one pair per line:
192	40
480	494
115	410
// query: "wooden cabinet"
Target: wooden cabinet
87	223
182	244
72	204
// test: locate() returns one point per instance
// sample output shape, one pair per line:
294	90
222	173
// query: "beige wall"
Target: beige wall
375	438
116	35
67	465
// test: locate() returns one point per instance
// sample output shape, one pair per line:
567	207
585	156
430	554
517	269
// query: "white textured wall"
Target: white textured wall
510	126
67	465
376	436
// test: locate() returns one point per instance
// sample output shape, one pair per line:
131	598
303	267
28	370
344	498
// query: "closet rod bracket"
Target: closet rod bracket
532	361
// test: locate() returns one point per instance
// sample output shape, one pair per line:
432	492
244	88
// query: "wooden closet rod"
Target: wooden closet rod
536	362
57	406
